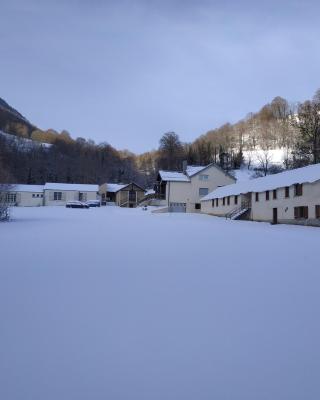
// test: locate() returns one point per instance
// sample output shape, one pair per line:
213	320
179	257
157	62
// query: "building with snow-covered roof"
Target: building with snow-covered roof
182	191
292	196
58	194
123	195
24	195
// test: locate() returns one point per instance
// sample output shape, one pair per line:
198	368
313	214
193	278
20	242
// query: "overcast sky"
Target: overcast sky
125	72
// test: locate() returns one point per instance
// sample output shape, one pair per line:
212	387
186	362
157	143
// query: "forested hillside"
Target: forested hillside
293	129
31	155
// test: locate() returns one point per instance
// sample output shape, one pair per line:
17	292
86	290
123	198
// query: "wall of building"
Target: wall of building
122	197
28	199
67	195
216	178
188	192
221	210
262	210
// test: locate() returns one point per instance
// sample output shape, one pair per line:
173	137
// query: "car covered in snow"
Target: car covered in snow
93	203
76	204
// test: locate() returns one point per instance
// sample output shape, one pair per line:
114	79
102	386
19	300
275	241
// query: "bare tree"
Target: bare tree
5	202
264	160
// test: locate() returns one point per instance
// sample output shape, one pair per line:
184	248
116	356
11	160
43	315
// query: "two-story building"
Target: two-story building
182	191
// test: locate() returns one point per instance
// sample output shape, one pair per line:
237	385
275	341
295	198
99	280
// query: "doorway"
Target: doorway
275	216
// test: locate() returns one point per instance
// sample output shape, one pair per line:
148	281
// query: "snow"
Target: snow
194	169
28	144
173	176
149	192
243	174
114	187
310	174
111	303
274	156
71	186
25	188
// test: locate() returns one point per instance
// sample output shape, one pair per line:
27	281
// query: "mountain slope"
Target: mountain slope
11	121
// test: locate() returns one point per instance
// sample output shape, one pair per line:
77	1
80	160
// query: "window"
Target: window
33	195
286	192
212	203
57	196
257	196
203	177
41	195
318	211
198	206
203	191
274	193
298	189
235	199
301	212
267	195
228	200
217	202
224	201
11	197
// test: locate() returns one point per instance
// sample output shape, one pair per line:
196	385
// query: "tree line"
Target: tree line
279	124
295	128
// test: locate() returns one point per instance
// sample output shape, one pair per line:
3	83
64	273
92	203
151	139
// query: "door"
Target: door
275	216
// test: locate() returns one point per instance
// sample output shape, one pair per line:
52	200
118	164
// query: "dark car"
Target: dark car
93	203
76	204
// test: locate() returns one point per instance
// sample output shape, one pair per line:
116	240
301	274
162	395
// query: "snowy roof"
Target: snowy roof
71	186
149	191
194	169
115	187
173	176
24	188
310	174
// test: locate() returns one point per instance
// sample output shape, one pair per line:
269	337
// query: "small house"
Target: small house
123	195
58	194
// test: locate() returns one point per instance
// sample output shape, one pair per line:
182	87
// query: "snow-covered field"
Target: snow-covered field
123	304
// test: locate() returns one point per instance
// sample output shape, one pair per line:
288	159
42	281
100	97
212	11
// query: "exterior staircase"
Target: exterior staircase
239	212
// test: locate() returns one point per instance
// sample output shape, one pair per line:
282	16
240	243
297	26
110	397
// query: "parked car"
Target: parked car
93	203
76	204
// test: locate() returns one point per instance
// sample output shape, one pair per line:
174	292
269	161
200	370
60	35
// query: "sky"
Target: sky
125	72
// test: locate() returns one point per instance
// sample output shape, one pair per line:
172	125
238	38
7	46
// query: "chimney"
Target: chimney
184	166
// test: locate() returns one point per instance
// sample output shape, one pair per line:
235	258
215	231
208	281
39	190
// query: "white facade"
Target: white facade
25	195
289	197
58	194
185	190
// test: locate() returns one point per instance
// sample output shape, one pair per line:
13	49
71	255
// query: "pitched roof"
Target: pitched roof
195	169
71	186
24	188
115	187
173	176
310	174
192	170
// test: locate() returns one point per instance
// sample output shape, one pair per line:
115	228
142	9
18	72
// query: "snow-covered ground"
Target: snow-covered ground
123	304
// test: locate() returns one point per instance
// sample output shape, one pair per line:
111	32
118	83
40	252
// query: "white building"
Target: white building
24	195
289	197
58	194
182	191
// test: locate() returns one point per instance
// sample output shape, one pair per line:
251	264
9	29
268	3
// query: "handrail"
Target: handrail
245	205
